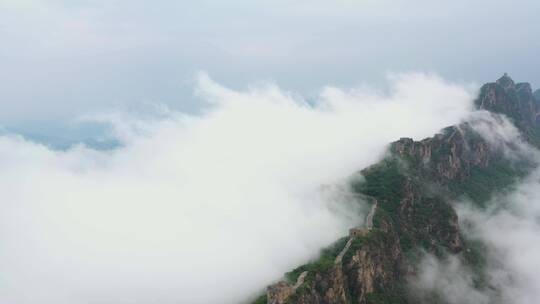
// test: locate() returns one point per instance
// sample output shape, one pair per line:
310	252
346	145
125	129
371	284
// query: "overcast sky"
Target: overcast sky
60	59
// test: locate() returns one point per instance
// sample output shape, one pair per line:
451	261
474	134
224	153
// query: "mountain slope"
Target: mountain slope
411	191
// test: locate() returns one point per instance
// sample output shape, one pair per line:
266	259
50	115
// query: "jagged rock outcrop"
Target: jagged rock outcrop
448	155
516	101
412	189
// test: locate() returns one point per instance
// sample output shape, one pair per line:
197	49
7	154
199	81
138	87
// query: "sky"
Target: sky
64	59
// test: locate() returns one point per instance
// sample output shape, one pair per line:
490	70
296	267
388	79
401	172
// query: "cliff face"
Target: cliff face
449	155
410	192
516	101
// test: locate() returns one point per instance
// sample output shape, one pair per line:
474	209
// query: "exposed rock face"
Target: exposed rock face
413	212
448	155
375	266
279	293
517	101
371	267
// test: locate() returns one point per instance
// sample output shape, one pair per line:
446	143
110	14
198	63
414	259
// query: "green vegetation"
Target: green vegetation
475	258
484	182
263	299
356	244
322	264
386	182
388	297
383	181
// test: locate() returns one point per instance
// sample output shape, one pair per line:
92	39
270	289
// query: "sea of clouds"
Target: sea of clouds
206	208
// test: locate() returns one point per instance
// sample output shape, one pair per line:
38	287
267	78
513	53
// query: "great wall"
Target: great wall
281	291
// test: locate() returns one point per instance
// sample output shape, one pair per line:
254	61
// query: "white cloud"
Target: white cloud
511	231
445	279
200	209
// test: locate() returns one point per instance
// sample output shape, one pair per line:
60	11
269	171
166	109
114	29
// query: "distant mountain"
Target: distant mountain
537	95
60	143
63	137
410	192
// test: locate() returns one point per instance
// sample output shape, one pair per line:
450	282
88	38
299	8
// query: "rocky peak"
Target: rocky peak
448	155
506	82
516	101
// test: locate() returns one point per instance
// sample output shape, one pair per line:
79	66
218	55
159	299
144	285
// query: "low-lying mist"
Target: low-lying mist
511	231
203	208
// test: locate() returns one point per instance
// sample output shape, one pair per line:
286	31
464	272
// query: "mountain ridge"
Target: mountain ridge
411	190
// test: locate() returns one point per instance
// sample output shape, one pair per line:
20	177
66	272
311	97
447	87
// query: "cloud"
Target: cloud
511	232
445	279
502	135
201	209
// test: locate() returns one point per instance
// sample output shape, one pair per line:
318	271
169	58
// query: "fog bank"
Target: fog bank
201	209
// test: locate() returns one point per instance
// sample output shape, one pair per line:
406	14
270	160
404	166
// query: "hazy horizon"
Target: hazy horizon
64	59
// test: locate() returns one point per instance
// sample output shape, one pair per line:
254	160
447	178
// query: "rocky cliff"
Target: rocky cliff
516	101
411	192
